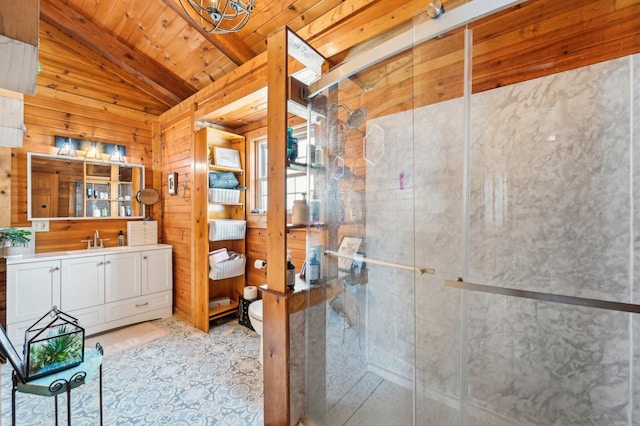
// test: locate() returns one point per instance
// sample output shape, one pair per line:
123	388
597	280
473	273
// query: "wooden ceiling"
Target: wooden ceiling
147	56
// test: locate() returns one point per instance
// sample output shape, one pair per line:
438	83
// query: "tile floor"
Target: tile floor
192	378
186	378
356	396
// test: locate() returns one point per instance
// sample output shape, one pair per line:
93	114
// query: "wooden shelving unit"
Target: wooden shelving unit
206	288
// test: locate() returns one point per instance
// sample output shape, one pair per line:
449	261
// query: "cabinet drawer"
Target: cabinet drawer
139	305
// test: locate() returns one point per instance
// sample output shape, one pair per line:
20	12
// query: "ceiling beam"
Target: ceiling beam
131	65
229	44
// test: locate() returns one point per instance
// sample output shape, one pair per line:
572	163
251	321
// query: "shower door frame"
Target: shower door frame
418	34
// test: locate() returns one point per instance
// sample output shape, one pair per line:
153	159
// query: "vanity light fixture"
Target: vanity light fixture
67	149
93	153
116	156
219	16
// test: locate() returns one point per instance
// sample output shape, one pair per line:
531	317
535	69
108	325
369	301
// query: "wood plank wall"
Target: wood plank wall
61	109
47	116
177	157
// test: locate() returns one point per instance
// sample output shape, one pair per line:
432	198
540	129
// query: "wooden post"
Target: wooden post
200	247
275	313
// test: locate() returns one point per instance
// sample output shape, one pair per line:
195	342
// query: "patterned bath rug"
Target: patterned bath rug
126	338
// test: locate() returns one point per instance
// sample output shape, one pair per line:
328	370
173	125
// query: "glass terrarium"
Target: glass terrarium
54	343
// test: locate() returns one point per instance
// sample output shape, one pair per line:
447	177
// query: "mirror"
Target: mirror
147	197
69	187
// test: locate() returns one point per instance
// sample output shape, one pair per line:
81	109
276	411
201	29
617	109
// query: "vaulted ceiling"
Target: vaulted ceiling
148	55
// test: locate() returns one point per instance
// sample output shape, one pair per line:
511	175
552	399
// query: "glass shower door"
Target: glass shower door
549	245
527	191
366	326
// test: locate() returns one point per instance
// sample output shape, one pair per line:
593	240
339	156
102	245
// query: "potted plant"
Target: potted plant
13	237
54	343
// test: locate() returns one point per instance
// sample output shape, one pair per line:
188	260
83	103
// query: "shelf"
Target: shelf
108	199
223	311
311	225
225	169
302	166
227	204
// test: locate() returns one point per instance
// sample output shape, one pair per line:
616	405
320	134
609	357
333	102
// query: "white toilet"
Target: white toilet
255	316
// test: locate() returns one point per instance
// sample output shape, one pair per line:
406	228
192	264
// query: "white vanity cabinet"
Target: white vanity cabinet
153	292
156	271
124	276
82	282
32	289
90	282
82	289
117	287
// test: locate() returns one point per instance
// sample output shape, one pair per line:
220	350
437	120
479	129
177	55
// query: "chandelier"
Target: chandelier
219	16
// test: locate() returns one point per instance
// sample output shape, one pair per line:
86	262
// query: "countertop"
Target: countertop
57	255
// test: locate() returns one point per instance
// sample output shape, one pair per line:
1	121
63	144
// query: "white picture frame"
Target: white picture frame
226	157
347	252
172	183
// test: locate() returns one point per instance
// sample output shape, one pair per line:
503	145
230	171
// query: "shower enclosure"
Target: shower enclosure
482	237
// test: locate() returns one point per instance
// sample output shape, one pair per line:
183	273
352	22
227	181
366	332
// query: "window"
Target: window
296	178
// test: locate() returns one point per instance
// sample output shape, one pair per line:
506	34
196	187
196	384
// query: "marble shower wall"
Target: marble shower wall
552	190
389	206
550	211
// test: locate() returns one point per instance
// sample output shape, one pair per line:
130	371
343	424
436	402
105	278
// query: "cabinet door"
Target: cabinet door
122	274
157	272
32	289
82	282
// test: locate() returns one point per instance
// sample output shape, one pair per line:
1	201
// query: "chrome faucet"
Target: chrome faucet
96	237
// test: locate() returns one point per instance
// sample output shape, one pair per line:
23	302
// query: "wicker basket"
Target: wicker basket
229	268
217	195
227	229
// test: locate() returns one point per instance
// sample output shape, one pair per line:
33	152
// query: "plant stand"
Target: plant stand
61	382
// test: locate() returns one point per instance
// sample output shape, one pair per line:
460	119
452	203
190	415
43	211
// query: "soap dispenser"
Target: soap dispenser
314	268
291	272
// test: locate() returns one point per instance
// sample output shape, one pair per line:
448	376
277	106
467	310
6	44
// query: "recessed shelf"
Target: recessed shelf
225	169
302	166
223	310
311	225
227	204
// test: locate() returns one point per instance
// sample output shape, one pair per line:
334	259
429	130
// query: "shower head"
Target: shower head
356	117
